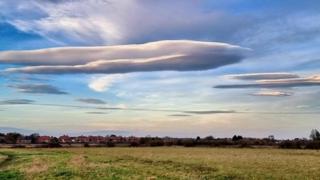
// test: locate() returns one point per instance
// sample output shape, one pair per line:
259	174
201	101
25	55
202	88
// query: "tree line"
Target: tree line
235	141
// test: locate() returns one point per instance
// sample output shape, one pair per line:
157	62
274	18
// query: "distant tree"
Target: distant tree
188	142
209	138
271	137
236	138
291	144
134	144
110	144
315	135
33	137
198	138
11	138
2	138
54	142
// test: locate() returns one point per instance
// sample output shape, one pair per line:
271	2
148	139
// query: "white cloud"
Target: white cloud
116	22
103	83
272	93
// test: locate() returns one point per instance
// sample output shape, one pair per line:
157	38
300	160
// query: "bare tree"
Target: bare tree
315	135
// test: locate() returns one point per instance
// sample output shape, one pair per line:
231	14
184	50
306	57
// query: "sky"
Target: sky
161	68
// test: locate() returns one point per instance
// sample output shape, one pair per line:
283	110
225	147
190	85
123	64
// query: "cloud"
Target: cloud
119	22
272	93
174	55
262	76
96	112
277	83
103	83
16	102
37	89
180	115
210	112
91	101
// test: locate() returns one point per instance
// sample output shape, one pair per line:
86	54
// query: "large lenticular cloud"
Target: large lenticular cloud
174	55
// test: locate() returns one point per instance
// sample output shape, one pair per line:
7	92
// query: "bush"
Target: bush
54	142
313	145
110	144
157	142
134	144
188	143
287	144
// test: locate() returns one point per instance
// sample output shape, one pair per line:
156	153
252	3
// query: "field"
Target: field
159	163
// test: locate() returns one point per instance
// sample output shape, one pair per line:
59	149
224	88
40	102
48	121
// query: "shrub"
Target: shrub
287	144
110	144
54	142
313	145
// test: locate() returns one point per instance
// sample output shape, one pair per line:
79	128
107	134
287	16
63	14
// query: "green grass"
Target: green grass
159	163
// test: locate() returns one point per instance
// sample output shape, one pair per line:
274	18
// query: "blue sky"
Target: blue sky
177	68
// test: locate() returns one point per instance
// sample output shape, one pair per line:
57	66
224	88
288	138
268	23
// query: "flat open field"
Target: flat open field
159	163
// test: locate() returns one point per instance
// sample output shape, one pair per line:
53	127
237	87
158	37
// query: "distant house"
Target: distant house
23	140
97	139
82	139
132	139
115	139
43	139
65	139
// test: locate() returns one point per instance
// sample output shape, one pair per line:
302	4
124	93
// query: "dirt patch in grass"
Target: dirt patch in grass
37	166
78	160
169	164
7	158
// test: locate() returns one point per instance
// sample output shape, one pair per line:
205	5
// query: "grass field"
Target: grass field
159	163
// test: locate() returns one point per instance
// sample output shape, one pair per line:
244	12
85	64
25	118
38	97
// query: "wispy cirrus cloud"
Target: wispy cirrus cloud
118	22
91	101
96	112
174	55
16	101
37	89
277	83
263	76
210	112
180	115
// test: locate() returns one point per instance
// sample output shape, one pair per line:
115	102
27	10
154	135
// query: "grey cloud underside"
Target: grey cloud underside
180	115
263	76
96	113
210	112
174	55
280	83
16	102
37	89
91	101
182	63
